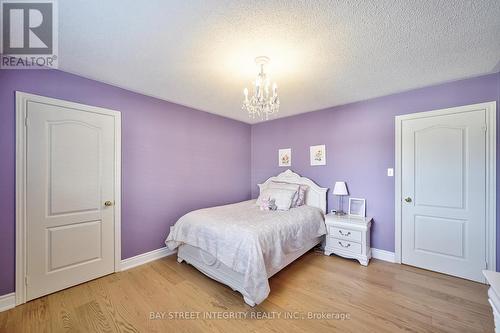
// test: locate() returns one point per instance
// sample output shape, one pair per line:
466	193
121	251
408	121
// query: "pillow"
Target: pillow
287	186
300	197
282	197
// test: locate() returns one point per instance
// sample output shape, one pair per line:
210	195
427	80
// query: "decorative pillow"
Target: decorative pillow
282	197
276	185
287	186
300	197
263	196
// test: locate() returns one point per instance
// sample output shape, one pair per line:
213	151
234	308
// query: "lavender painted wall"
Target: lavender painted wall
359	140
173	156
174	159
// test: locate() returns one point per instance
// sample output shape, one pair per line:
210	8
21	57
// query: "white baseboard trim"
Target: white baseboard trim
383	255
145	258
7	301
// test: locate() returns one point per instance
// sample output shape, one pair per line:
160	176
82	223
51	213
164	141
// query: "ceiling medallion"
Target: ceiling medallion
264	102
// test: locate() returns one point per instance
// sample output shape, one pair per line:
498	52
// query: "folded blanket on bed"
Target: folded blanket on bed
248	240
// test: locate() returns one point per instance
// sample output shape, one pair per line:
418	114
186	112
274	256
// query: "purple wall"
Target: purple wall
174	159
359	140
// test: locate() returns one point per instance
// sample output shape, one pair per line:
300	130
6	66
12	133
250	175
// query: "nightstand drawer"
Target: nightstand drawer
351	235
344	245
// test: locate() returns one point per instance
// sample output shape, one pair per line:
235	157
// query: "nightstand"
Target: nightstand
348	237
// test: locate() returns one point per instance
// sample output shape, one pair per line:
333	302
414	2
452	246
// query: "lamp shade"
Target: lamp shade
340	189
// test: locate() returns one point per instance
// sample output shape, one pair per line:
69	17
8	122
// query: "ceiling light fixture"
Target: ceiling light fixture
263	103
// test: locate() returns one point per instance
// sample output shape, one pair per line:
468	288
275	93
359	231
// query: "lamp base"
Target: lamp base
340	211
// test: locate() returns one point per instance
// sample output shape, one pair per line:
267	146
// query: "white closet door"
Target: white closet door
70	177
444	193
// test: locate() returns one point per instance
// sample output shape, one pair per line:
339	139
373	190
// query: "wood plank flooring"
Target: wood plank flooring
382	297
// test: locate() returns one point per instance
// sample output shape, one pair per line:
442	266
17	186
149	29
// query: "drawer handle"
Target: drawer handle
345	235
346	246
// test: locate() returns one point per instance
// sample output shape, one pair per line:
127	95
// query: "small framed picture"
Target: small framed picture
317	155
357	207
285	157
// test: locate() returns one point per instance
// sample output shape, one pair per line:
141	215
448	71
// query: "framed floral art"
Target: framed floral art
285	157
317	155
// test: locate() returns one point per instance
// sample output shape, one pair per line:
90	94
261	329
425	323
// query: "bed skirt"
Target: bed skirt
213	268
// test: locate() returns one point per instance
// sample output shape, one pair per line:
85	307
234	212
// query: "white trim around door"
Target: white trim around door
490	109
21	186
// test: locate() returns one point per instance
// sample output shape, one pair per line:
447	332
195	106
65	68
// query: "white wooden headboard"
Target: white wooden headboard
315	196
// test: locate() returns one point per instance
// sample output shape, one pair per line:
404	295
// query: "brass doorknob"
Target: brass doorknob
108	203
408	199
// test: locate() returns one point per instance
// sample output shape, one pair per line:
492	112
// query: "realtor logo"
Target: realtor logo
29	34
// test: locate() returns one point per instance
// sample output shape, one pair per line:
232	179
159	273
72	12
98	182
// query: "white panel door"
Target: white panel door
444	193
70	176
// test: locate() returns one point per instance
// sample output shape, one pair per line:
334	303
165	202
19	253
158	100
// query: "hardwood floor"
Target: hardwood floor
382	297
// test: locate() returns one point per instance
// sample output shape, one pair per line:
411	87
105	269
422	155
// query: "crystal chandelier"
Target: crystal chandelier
263	102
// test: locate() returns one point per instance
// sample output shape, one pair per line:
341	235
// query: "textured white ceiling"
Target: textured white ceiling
323	53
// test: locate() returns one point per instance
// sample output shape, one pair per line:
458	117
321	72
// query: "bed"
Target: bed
242	246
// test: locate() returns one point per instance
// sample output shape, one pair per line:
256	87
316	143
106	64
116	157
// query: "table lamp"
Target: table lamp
340	189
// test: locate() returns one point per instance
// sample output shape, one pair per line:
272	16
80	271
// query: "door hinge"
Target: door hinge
26	280
26	122
485	127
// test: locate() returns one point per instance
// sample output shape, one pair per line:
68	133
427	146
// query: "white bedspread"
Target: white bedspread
248	240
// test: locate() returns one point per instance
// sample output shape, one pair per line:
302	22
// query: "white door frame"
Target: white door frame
21	103
491	135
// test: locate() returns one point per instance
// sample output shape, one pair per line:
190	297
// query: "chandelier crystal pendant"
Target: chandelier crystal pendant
264	102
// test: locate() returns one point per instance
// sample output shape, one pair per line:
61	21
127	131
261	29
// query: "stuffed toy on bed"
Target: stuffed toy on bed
268	204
